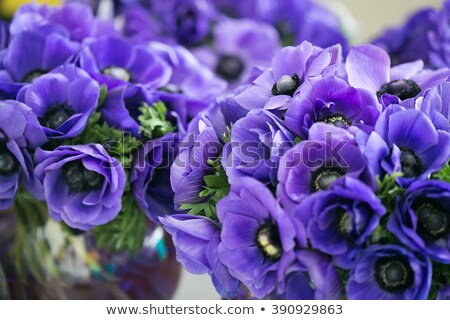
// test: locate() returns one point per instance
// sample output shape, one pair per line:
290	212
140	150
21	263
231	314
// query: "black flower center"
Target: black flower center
411	164
80	179
404	89
33	75
337	120
434	221
394	274
286	85
230	67
323	178
268	241
56	116
117	73
8	163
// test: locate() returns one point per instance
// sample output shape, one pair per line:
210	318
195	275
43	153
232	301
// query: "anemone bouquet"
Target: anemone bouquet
280	160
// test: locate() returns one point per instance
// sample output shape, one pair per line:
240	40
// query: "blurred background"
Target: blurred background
366	19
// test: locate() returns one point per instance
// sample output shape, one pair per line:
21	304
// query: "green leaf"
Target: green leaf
153	123
443	174
126	232
216	187
388	190
120	145
102	97
226	136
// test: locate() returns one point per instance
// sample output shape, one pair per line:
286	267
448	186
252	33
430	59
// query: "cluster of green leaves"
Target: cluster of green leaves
216	187
443	174
127	231
153	123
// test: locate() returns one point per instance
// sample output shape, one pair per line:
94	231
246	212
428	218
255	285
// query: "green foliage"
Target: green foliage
388	190
103	93
126	232
117	143
444	174
216	187
153	123
226	136
31	253
441	276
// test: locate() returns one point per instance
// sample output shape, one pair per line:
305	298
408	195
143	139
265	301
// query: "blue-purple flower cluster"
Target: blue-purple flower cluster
425	36
313	171
331	180
90	120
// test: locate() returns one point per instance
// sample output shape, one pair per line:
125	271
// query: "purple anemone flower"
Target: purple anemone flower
35	52
341	220
139	25
421	220
239	45
258	141
369	67
83	185
390	272
150	176
224	113
63	101
291	67
436	105
187	21
200	145
196	240
258	237
332	100
425	36
315	164
114	61
406	141
122	104
313	277
192	86
19	130
77	18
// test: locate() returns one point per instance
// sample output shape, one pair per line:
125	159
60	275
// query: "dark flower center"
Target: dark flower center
117	73
434	221
337	120
323	178
80	179
268	241
394	274
404	89
230	67
33	75
56	116
8	163
343	223
286	85
411	164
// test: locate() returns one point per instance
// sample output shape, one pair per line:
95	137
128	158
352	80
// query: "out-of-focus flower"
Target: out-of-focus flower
239	45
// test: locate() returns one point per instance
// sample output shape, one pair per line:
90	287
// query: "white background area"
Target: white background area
370	16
